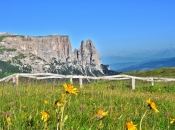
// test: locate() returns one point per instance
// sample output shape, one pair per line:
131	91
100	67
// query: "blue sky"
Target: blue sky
114	26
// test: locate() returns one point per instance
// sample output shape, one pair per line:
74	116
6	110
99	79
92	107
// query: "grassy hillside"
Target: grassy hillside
7	69
102	105
162	72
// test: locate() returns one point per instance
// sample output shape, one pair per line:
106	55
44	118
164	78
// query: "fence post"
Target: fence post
13	80
81	82
16	80
71	81
152	82
133	83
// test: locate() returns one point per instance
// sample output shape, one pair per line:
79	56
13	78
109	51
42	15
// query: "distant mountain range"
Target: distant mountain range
143	60
161	63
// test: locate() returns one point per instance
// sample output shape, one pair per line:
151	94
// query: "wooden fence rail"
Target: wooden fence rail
38	76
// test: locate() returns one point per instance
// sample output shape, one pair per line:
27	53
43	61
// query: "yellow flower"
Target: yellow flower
65	118
131	126
90	98
172	121
152	105
8	119
101	114
59	103
70	89
57	90
63	96
45	116
45	101
87	91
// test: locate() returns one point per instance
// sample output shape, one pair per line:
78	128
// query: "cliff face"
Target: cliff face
50	54
88	57
46	48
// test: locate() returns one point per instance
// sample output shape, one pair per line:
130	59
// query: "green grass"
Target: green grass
7	69
23	104
3	49
20	56
2	37
161	72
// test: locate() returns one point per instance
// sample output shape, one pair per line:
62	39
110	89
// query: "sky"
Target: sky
115	26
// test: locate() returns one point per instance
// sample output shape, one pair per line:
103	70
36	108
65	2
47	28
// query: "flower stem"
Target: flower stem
142	119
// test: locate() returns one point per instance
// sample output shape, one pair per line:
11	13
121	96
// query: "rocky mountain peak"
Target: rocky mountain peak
51	53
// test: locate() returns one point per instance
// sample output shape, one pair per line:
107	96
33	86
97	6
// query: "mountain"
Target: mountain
152	53
120	59
51	54
138	58
119	62
165	53
159	63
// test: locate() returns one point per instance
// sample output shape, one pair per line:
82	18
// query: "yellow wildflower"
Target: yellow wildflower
45	101
65	118
172	121
87	91
57	90
101	114
131	126
45	116
59	103
8	119
90	98
152	105
70	89
63	96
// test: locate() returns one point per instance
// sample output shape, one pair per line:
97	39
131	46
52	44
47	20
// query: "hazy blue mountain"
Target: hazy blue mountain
119	62
161	63
117	66
121	59
140	59
166	53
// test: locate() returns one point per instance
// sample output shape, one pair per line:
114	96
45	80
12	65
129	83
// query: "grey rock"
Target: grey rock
51	53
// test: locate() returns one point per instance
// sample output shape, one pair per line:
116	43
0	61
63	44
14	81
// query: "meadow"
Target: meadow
99	105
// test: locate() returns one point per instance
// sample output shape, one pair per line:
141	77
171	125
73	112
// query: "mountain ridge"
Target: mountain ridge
53	53
125	61
150	65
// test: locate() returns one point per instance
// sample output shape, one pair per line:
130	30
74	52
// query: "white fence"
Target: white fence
38	76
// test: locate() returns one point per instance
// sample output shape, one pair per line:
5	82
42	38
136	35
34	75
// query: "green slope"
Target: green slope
7	69
162	72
